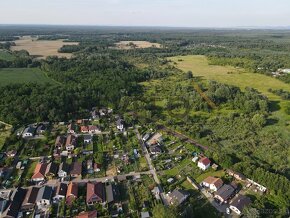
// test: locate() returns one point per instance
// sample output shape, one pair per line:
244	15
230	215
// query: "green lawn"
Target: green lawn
22	75
6	55
3	135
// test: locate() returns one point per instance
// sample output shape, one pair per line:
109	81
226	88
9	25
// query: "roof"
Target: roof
178	195
13	209
205	161
64	167
44	193
70	140
76	168
3	204
72	189
213	180
225	191
40	170
145	214
60	140
88	214
112	193
29	129
119	122
61	189
52	168
84	128
96	190
240	201
157	137
88	137
93	128
31	195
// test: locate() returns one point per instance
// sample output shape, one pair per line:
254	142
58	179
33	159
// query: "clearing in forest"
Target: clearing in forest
23	75
41	48
136	44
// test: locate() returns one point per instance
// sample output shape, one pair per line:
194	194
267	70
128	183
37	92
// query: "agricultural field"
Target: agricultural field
6	55
22	75
139	44
41	48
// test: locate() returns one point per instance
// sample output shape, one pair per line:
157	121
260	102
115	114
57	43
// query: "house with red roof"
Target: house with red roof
95	193
212	183
72	193
88	214
203	163
39	172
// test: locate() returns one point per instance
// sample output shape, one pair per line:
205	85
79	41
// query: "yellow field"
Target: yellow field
41	48
139	44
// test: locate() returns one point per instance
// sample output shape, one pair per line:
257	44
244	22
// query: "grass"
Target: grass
6	55
3	135
200	67
23	75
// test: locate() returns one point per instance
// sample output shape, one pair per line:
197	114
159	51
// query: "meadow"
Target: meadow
23	75
138	44
41	48
6	55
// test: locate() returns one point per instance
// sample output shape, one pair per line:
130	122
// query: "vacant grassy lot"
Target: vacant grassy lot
22	75
41	48
6	55
3	135
138	44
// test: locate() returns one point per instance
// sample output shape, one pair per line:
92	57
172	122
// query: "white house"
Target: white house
120	124
203	163
63	170
44	195
239	203
60	192
212	183
70	143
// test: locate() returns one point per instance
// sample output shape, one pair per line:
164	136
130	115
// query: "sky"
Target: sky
169	13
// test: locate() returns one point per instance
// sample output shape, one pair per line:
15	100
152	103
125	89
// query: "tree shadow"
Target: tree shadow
274	106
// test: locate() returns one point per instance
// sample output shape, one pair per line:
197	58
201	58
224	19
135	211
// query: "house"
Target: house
72	193
64	170
112	193
88	214
120	124
94	129
59	142
28	132
41	129
145	214
95	115
225	193
18	165
88	139
203	163
11	153
71	128
177	197
155	139
95	193
239	203
156	192
13	209
146	137
39	172
60	192
70	143
236	175
90	166
76	169
155	149
3	205
30	199
51	170
44	196
97	167
212	183
84	129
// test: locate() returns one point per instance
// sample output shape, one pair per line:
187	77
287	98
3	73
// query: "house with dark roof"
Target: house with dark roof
3	205
112	193
39	172
30	199
28	132
225	193
40	129
239	203
95	193
59	142
60	192
63	170
120	124
71	143
178	196
76	169
44	196
51	170
88	214
203	163
72	193
71	128
212	183
15	205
